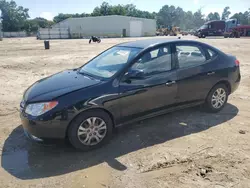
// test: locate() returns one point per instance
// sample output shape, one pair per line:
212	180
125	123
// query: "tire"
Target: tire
210	105
74	130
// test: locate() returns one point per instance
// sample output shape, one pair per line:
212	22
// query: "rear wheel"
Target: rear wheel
90	130
217	98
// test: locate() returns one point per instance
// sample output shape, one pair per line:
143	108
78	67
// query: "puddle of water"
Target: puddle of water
93	177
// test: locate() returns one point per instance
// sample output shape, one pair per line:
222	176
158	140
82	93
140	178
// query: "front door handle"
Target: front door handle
210	73
169	83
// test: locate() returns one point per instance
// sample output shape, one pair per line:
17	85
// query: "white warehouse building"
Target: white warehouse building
103	26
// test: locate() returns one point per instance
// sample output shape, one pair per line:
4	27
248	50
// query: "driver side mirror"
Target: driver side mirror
134	74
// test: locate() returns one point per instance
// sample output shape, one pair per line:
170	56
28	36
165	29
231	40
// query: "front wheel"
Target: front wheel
217	98
90	130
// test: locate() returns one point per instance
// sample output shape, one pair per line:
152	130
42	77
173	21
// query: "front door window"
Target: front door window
155	61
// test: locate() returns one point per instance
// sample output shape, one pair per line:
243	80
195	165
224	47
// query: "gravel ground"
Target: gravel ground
188	148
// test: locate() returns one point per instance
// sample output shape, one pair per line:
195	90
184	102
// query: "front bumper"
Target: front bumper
32	137
38	130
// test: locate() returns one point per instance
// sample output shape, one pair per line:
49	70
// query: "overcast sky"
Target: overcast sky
50	8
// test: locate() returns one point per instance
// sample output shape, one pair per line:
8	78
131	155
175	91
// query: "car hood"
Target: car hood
57	85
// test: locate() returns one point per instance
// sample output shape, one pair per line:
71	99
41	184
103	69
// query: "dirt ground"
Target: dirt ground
188	148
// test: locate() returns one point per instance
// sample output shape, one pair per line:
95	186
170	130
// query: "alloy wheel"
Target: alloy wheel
218	98
92	131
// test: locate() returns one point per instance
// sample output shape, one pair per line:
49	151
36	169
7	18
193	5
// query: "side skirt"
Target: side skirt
161	112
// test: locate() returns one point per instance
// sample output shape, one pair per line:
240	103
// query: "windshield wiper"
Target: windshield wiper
88	75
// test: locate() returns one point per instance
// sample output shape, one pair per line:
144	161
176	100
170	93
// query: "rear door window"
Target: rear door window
190	55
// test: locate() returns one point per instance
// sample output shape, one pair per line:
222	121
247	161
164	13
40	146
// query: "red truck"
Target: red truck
238	31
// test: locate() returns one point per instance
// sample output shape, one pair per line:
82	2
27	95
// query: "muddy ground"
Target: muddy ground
188	148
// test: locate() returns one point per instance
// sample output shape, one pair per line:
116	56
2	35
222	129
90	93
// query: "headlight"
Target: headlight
38	109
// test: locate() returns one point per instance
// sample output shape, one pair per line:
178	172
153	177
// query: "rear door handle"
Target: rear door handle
210	73
169	83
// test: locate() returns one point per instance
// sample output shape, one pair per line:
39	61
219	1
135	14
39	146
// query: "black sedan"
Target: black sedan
127	82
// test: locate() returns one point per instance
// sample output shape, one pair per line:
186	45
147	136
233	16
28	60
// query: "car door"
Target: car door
154	90
195	74
211	30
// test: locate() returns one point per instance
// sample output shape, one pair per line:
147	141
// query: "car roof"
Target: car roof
215	21
146	43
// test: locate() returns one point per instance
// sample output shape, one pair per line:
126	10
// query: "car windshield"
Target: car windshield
109	62
204	27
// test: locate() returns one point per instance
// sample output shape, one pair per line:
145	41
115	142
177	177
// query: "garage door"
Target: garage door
135	28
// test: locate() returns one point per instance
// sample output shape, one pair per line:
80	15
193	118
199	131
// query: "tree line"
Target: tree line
16	18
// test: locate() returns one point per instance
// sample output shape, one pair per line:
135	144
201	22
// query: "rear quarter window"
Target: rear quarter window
211	53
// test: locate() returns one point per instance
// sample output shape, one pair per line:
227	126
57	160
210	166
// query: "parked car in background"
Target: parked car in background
128	82
191	32
184	33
